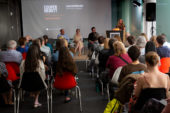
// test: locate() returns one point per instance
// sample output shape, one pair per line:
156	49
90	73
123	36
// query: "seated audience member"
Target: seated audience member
65	65
163	51
45	49
153	84
23	48
48	44
105	53
135	66
101	43
165	43
131	41
78	40
141	42
143	34
28	40
33	63
93	39
150	46
59	44
120	58
62	33
5	87
11	55
118	38
153	39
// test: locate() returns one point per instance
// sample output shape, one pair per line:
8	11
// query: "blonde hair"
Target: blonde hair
153	39
106	43
118	38
119	48
65	42
143	34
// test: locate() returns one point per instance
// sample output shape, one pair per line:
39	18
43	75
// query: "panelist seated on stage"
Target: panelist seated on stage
93	39
62	34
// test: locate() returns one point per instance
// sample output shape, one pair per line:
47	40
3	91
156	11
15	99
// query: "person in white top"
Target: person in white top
78	40
33	63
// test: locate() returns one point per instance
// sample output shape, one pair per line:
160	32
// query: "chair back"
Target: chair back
14	65
24	54
11	73
64	82
165	65
31	81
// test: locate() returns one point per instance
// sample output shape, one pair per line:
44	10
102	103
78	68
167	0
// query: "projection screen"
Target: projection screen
49	16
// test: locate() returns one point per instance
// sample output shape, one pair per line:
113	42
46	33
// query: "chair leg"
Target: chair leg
108	93
48	104
18	99
15	103
51	98
102	86
78	88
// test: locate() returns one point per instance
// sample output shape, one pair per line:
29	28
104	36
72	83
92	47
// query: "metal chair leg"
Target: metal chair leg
18	99
108	93
51	95
102	86
48	101
78	88
15	103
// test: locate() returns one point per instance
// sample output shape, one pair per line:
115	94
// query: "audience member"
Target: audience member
135	66
118	38
165	43
163	51
153	39
45	49
28	40
120	58
33	63
105	53
143	34
62	33
5	89
93	39
78	40
153	84
131	41
48	44
141	42
23	48
65	65
101	43
11	55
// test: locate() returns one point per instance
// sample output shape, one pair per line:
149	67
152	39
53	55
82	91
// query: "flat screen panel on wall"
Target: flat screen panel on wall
49	16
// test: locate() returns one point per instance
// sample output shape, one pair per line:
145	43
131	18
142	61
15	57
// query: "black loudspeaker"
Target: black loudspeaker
150	11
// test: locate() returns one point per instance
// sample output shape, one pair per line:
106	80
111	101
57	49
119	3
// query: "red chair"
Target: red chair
14	65
24	54
165	65
11	73
67	81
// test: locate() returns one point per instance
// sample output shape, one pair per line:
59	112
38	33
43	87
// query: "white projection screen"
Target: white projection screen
49	16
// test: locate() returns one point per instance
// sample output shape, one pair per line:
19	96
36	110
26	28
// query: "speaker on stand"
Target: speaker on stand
151	14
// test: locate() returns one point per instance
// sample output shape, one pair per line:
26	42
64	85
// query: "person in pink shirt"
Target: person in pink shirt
120	58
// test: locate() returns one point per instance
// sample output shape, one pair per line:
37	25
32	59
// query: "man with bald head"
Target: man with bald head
62	34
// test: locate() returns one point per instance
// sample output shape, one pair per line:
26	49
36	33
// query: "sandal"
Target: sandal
37	105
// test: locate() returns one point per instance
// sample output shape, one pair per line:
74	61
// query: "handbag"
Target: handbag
114	106
116	75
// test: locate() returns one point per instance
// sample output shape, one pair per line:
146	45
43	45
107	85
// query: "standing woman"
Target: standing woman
33	63
66	69
120	25
78	40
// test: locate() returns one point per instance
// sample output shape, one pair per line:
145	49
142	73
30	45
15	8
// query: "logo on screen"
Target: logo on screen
50	8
